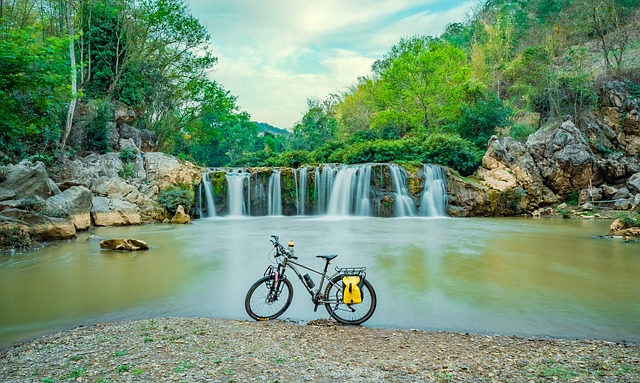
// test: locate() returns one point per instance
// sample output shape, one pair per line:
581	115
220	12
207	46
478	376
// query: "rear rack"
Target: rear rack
360	271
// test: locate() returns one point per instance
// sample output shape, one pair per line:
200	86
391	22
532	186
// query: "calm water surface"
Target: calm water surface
526	277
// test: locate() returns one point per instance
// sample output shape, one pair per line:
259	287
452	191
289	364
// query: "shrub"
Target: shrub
629	219
128	155
127	171
98	129
175	196
449	150
14	237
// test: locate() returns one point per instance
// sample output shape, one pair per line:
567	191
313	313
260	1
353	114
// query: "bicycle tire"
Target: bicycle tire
261	306
353	314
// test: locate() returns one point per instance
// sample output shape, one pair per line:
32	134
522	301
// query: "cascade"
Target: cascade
434	197
207	188
341	197
275	193
235	192
404	205
324	178
351	191
300	180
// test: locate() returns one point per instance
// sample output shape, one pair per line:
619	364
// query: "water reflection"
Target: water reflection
507	276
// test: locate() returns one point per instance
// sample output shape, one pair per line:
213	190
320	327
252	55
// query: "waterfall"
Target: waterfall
350	191
341	197
404	205
363	191
208	192
434	197
324	178
275	193
300	180
235	194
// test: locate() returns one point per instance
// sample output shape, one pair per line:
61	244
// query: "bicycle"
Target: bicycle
271	295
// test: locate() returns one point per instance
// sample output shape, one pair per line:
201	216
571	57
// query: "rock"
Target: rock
616	226
609	190
46	228
114	212
621	194
29	180
164	171
181	217
587	206
123	114
75	204
590	194
634	182
564	158
6	194
622	204
123	244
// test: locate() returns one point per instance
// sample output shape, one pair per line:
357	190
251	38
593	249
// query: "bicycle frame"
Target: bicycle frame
316	295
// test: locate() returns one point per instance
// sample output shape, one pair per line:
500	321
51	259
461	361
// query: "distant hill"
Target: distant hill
264	127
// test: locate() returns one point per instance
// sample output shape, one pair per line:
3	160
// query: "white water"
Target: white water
338	190
404	205
324	178
434	197
235	192
275	193
301	179
208	192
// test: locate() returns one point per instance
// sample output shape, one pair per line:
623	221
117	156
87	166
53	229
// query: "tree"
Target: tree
318	125
424	88
33	91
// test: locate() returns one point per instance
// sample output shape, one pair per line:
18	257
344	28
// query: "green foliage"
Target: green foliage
629	219
15	237
98	128
174	196
450	150
127	171
128	155
478	121
317	127
33	91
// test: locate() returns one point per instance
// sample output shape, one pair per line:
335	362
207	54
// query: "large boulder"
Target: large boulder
29	180
123	244
75	204
509	171
114	212
564	158
164	171
181	217
42	226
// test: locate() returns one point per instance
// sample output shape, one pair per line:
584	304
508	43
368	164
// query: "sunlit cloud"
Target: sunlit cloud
274	55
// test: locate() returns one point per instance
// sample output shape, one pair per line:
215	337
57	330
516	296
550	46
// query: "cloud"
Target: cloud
275	54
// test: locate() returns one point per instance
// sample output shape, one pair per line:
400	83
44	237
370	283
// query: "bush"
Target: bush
128	155
293	158
450	150
175	196
14	237
629	219
127	171
98	129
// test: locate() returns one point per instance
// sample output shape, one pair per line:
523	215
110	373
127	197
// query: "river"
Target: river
511	276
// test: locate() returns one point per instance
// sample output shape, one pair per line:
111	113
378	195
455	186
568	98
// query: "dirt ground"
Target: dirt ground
217	350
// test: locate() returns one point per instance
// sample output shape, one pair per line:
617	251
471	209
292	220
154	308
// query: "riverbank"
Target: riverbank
217	350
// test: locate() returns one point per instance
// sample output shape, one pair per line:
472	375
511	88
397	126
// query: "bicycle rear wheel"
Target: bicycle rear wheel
349	313
265	300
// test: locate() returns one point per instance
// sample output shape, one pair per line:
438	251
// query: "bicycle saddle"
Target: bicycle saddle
327	257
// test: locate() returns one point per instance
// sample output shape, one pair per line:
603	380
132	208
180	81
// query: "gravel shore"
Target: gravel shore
218	350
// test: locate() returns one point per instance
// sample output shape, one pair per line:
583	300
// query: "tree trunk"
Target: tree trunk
74	84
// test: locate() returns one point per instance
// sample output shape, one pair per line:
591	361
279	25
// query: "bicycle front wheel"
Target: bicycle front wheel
267	299
349	313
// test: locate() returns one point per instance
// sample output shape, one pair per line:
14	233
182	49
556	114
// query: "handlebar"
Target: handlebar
280	250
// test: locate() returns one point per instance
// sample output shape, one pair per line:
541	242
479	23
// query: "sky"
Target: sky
274	55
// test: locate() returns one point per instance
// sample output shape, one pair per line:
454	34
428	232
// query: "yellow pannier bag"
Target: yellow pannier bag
352	289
